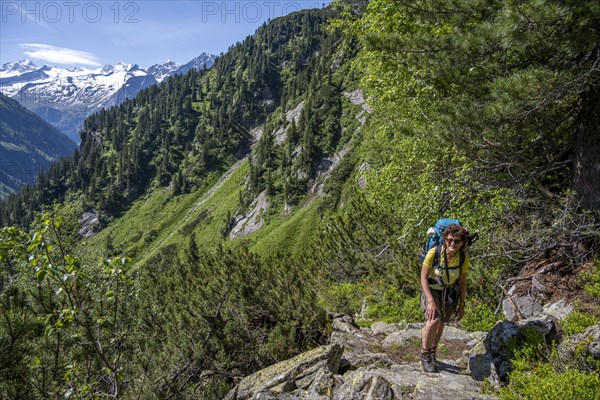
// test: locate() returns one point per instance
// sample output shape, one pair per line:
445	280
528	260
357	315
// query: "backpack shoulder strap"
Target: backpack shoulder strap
436	257
463	257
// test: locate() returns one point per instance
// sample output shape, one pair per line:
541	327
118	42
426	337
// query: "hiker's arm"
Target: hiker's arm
462	291
431	308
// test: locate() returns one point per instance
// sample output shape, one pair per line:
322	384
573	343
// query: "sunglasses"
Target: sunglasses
452	240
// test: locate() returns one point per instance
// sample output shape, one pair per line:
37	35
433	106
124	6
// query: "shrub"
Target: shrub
591	281
538	374
281	342
479	316
378	300
344	297
577	322
543	382
386	306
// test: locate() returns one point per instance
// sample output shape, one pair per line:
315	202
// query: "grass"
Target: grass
158	219
291	233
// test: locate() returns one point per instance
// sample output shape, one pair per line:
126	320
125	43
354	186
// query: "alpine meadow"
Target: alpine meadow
222	221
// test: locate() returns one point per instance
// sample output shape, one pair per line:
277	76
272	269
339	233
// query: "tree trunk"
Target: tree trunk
587	147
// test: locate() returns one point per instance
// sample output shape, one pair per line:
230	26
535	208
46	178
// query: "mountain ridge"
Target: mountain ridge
64	97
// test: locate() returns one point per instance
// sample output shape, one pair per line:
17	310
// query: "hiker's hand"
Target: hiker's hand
460	312
430	311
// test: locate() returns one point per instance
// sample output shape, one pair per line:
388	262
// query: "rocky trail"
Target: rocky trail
382	363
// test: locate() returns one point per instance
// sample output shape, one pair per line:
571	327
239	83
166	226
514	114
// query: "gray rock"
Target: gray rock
479	361
544	325
89	222
581	345
354	367
383	328
454	333
517	307
407	381
287	375
493	354
404	337
559	310
360	346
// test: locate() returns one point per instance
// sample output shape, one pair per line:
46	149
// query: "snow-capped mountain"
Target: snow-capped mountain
170	68
17	68
65	97
197	63
162	71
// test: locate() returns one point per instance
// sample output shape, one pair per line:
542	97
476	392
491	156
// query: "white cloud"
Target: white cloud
59	55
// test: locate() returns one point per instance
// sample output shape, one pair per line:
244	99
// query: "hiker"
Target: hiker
444	287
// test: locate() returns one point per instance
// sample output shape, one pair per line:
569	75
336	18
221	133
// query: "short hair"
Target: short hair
455	229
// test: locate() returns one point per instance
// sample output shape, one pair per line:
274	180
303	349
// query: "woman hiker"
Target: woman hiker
440	298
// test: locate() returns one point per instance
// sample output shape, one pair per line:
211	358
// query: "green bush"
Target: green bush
411	308
479	316
344	297
543	382
386	306
577	322
392	306
380	301
281	343
592	281
538	374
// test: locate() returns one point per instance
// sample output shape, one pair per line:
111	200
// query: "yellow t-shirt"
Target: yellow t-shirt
453	272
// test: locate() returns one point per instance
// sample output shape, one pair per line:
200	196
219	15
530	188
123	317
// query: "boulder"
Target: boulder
383	328
581	346
360	345
493	354
286	376
407	381
401	338
517	307
559	310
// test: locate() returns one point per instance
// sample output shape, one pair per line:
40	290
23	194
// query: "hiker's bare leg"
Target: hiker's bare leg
430	333
438	333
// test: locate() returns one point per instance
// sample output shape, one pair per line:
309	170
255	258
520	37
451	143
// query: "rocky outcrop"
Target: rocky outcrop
365	364
584	347
252	220
543	287
382	362
310	373
490	357
89	222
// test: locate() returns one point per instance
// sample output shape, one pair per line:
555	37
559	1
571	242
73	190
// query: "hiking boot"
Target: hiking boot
426	361
433	357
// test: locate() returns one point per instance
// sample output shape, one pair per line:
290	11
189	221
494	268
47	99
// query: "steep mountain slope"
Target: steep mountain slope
27	145
65	97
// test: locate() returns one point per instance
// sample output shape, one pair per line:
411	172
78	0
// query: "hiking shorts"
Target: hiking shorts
446	312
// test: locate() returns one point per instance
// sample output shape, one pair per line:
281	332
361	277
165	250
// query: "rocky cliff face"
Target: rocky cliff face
382	362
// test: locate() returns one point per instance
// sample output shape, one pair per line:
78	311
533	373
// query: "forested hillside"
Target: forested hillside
237	206
27	146
178	132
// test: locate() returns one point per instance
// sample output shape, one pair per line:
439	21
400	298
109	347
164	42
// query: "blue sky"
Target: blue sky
94	33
